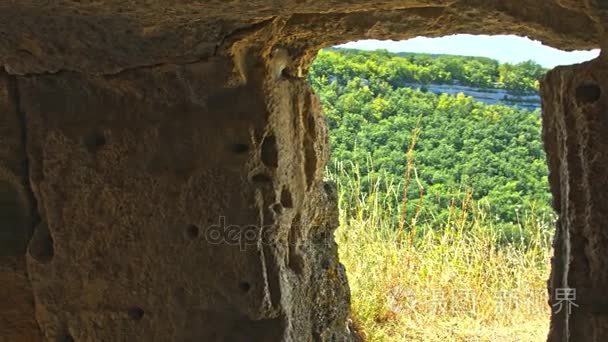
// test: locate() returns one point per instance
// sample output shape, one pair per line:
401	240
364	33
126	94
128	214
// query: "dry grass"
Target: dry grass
456	282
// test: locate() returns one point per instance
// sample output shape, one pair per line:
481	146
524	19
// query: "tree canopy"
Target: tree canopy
493	151
343	65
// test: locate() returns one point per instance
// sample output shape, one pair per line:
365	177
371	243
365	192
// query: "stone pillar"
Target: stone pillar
575	108
182	203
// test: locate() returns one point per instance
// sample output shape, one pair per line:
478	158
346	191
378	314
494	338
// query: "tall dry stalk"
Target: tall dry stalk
409	168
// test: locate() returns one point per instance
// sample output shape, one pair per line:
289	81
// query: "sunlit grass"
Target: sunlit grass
460	281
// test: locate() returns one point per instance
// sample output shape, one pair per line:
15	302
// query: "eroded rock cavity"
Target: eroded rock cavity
161	164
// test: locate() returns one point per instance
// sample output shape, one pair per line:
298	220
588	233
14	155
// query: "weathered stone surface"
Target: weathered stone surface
17	321
170	156
575	125
112	35
171	196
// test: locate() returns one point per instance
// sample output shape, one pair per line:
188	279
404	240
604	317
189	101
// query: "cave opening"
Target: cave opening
132	127
446	218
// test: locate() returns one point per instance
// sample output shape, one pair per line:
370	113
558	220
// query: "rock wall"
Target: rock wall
179	203
105	37
17	218
575	105
161	163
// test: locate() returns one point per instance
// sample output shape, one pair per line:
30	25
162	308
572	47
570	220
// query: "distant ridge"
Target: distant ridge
406	54
485	79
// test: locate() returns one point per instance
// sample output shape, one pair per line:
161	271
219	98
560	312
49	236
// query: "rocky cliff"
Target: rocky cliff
529	101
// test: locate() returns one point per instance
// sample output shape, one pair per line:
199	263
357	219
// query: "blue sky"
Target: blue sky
511	49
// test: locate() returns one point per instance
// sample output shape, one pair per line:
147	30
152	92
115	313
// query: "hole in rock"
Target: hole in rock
192	232
239	148
41	247
438	165
65	338
244	286
311	125
329	189
261	178
295	261
588	93
286	199
95	141
270	155
310	161
135	313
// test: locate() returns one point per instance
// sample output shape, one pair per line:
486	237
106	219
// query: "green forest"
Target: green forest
381	66
460	150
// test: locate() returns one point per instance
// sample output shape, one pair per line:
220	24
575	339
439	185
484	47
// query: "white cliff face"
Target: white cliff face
530	101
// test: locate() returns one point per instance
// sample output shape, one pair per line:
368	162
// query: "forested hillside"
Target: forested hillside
402	68
488	155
